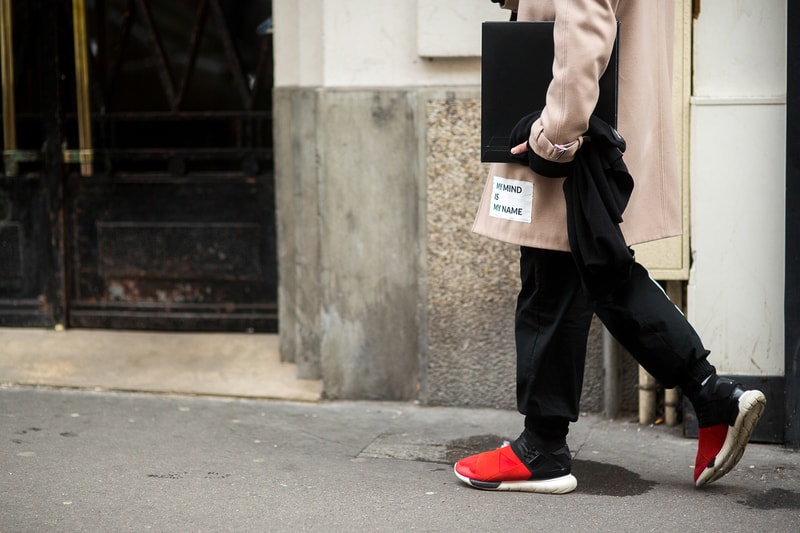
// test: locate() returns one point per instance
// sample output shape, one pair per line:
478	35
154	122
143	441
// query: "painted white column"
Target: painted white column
736	287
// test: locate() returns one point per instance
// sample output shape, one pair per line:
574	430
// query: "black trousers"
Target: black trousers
553	317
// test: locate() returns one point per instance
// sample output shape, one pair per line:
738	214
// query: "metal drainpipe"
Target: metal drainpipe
672	397
648	386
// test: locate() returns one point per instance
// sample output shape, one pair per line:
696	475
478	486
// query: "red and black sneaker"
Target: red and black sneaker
519	467
727	415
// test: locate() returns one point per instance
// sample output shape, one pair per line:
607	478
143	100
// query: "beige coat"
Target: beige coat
584	34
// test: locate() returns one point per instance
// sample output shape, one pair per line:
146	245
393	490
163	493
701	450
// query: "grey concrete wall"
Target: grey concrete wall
369	244
347	204
285	176
297	212
385	291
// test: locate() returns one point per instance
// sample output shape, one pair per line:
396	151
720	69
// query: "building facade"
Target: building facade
137	190
384	291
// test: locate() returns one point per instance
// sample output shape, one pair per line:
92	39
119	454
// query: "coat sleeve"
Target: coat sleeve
508	4
584	38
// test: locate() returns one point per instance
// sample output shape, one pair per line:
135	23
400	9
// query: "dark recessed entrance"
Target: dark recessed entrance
137	184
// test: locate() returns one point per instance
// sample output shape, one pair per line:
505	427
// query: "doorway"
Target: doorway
137	189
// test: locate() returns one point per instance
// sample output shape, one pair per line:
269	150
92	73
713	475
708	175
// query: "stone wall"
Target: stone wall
471	280
385	292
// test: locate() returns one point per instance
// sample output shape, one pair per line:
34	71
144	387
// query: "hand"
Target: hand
520	148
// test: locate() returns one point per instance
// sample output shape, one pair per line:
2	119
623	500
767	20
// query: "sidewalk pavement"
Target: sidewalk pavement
100	461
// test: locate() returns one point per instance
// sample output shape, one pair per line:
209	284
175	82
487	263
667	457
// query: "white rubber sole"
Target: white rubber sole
559	485
751	407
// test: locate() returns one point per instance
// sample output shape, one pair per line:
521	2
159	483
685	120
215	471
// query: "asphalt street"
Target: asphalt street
102	461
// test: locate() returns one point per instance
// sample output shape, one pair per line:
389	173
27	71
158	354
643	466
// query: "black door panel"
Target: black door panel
159	249
166	220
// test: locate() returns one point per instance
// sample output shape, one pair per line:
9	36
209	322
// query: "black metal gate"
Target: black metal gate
137	188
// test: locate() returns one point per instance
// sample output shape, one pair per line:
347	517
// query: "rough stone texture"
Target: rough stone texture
593	395
472	281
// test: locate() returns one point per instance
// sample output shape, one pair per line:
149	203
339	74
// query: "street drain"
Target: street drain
602	479
460	448
593	478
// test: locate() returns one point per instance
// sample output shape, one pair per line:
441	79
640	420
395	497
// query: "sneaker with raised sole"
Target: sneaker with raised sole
721	445
519	467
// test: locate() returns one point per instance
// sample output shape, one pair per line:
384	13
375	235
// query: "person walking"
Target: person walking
561	283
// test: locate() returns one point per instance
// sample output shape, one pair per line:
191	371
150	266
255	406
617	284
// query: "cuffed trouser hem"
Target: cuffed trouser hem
693	382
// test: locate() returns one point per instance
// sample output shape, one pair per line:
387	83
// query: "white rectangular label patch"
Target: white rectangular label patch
511	199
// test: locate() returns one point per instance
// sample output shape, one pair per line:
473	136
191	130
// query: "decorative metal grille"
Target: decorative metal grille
195	97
